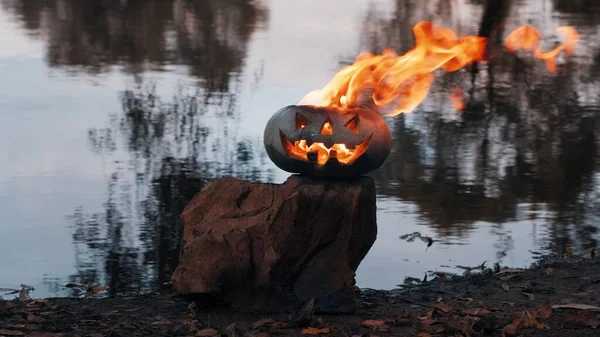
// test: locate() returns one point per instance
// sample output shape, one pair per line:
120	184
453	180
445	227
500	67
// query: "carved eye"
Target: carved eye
327	128
352	124
301	121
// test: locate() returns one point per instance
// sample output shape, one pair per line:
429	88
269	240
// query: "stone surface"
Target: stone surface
273	247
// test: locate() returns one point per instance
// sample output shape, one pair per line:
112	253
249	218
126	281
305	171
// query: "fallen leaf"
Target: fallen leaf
512	329
91	290
549	270
315	331
476	312
89	321
126	310
575	306
462	326
402	321
530	295
532	322
281	325
39	303
473	319
162	323
6	332
581	320
505	286
305	315
544	311
16	326
468	299
529	321
444	307
232	330
190	325
383	328
373	323
207	332
262	322
98	289
431	326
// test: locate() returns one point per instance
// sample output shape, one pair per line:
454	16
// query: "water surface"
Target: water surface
115	114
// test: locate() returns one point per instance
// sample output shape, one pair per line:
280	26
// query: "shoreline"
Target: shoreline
556	296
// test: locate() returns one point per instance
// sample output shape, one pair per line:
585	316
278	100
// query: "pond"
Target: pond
114	114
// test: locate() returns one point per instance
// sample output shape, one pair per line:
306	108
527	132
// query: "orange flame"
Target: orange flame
456	98
400	82
528	38
344	155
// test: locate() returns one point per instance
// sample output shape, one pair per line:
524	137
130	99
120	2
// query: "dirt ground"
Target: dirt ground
557	297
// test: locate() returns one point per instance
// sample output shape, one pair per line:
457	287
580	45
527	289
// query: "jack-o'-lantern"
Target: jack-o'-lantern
327	142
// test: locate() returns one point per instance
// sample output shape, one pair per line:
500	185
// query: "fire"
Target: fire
528	38
344	155
401	82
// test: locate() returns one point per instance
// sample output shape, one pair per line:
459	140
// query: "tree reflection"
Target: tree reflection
585	10
160	154
209	36
174	153
526	137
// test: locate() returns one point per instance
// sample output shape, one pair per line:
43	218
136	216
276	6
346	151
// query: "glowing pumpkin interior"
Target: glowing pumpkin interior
319	152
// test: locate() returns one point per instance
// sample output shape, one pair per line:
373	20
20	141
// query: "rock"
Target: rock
274	247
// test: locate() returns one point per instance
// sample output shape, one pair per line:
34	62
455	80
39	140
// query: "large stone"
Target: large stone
270	248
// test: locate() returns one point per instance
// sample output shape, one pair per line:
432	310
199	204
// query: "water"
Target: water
115	114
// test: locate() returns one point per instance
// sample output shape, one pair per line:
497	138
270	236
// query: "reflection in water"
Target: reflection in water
525	147
174	155
174	150
526	140
210	36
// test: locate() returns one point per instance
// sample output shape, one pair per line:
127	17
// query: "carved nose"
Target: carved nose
327	128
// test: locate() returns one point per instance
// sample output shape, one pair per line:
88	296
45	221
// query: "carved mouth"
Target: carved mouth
319	153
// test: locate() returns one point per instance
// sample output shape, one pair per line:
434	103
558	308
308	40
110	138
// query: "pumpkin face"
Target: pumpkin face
327	142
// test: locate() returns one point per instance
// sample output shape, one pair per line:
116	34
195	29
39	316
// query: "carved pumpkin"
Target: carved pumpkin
327	142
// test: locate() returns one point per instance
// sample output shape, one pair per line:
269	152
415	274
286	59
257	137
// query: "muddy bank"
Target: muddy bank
557	297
